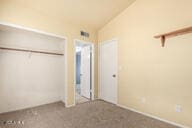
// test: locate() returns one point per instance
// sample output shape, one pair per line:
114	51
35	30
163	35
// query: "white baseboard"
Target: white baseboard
68	106
155	117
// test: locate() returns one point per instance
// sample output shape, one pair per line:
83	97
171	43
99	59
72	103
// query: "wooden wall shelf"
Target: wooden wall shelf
24	50
173	34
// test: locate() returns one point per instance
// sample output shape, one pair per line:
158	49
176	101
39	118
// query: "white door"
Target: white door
85	71
108	71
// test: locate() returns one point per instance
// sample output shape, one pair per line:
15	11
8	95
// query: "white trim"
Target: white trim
68	106
108	41
99	83
152	116
85	42
93	67
31	30
66	75
74	84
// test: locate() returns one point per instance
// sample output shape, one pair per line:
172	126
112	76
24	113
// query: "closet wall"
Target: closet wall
30	79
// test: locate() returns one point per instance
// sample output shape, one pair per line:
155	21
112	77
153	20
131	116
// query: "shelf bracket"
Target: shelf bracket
163	41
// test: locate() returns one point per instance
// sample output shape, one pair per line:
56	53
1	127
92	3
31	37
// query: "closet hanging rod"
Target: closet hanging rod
35	51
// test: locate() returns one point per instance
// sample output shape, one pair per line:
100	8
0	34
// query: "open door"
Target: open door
86	71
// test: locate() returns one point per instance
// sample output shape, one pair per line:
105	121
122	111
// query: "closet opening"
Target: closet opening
33	68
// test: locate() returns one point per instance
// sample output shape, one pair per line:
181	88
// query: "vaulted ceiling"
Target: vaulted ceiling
94	13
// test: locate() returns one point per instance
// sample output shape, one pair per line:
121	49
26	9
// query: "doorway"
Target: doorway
108	68
84	68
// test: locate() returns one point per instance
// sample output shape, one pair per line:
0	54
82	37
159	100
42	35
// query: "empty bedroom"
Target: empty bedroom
95	63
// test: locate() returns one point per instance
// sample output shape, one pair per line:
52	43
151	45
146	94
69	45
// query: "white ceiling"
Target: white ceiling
93	13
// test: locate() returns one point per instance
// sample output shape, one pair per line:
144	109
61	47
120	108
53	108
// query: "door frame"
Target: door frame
99	67
92	66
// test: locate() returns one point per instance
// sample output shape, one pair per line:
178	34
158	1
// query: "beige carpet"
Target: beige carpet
96	114
80	99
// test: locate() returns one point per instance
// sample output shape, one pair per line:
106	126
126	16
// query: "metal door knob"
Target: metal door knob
114	75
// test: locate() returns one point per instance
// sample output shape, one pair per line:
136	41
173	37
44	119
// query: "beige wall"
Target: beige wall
161	75
16	13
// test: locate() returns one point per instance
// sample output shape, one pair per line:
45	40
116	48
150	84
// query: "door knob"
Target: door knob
114	75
